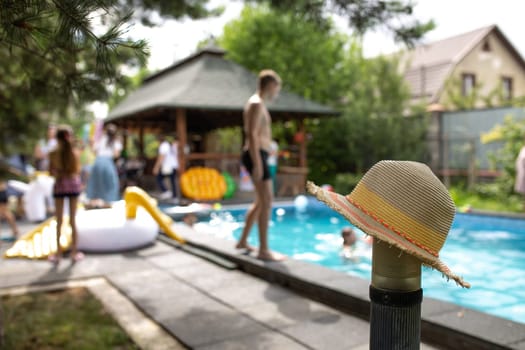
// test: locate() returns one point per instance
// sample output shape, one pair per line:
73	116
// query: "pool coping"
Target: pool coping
443	324
499	214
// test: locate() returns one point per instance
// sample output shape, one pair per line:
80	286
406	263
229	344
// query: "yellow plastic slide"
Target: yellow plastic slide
135	196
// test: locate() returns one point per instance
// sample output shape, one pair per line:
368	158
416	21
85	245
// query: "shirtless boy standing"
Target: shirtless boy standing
258	132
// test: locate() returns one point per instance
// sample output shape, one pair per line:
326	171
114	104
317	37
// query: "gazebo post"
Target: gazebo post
141	143
302	145
125	141
182	135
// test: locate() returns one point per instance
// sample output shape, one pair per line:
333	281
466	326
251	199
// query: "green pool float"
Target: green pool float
231	186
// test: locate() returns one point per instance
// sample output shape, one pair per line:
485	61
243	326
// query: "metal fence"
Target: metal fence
461	132
455	142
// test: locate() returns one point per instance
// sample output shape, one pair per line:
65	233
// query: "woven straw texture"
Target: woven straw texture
402	203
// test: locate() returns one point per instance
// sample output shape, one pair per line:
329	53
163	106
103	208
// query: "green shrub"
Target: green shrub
511	133
346	182
486	197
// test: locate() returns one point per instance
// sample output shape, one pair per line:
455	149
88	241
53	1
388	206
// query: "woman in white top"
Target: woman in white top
166	165
44	147
103	183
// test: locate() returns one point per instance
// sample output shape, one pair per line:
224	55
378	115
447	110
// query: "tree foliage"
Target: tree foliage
153	12
511	135
362	15
455	97
329	67
125	85
373	125
59	55
56	62
60	60
304	56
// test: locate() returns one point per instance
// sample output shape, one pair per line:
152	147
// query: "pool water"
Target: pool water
489	252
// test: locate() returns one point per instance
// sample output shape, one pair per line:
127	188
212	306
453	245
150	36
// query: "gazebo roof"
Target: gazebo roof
212	90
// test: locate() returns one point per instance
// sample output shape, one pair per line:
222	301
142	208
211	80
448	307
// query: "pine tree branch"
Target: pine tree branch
33	52
107	44
78	21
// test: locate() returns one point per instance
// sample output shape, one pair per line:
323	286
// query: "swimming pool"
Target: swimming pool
489	252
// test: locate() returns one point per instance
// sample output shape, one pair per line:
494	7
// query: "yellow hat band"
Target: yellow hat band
402	224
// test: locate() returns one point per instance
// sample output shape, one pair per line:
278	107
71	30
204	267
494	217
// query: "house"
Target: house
477	69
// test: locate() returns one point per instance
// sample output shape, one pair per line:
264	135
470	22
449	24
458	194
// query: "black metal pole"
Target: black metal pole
396	295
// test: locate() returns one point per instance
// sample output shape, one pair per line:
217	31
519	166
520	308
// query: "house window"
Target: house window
468	82
486	46
506	83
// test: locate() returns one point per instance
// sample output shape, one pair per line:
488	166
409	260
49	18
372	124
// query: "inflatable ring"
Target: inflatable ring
202	183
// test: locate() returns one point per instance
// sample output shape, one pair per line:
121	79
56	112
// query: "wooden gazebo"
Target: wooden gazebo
201	93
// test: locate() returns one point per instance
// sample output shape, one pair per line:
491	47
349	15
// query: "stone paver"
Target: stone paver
331	331
250	293
144	332
180	306
519	346
205	326
259	341
287	312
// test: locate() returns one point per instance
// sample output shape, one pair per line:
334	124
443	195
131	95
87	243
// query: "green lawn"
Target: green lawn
68	319
464	199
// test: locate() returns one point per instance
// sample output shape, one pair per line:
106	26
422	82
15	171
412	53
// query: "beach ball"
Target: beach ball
300	203
327	187
280	212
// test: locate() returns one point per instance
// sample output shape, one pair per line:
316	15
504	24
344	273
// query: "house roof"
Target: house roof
212	90
428	66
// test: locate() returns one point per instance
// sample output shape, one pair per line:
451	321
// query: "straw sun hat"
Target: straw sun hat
403	204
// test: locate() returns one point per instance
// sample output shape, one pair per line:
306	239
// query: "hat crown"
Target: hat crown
409	198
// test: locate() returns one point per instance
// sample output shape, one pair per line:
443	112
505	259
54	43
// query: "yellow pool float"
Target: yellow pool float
201	183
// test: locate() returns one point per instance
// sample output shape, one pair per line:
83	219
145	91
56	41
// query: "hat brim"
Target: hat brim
380	231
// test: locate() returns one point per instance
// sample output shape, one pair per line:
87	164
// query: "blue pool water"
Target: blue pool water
489	252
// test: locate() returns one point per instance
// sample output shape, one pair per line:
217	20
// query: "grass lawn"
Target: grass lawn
463	198
66	319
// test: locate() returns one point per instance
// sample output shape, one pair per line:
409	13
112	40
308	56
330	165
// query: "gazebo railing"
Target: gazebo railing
228	162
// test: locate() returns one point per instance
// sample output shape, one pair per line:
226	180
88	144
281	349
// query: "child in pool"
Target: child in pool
349	241
349	237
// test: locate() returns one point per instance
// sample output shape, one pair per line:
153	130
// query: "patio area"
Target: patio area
205	295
